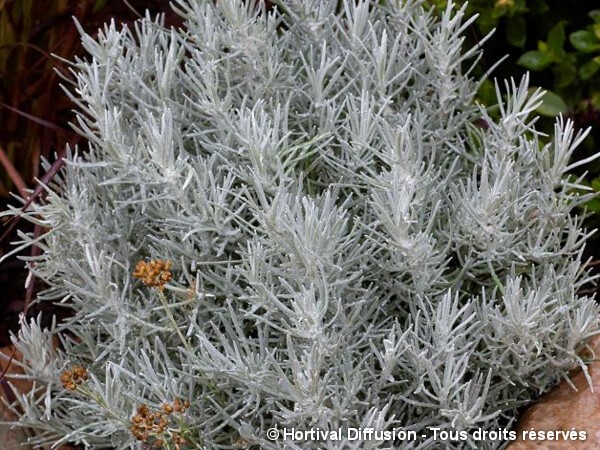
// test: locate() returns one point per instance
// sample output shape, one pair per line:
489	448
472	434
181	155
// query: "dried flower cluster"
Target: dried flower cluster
153	427
74	377
352	248
155	273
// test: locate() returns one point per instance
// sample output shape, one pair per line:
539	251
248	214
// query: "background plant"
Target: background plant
302	218
559	42
552	39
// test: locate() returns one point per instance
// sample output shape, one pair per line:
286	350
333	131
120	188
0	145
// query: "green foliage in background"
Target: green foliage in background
559	43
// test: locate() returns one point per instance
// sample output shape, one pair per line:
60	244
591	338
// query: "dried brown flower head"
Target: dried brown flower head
146	423
152	427
180	407
167	408
70	379
155	273
178	441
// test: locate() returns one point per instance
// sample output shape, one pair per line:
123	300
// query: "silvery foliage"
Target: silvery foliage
355	241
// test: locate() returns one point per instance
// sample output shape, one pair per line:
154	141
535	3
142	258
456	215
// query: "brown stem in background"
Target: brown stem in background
13	173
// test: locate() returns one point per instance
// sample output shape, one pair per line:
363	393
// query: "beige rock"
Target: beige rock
11	438
564	409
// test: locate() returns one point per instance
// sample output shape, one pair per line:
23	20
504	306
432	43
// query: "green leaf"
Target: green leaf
588	70
595	15
595	100
487	93
585	41
593	205
499	12
485	21
596	30
98	5
520	6
565	74
552	104
515	32
535	60
556	37
538	7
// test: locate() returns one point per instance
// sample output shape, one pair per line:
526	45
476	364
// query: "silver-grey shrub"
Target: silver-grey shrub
354	240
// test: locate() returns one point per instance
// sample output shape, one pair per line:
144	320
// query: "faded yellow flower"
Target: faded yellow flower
152	427
70	379
155	273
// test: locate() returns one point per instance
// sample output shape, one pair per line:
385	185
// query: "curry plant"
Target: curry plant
299	218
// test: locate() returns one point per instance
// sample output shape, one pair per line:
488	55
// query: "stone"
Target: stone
574	412
12	438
